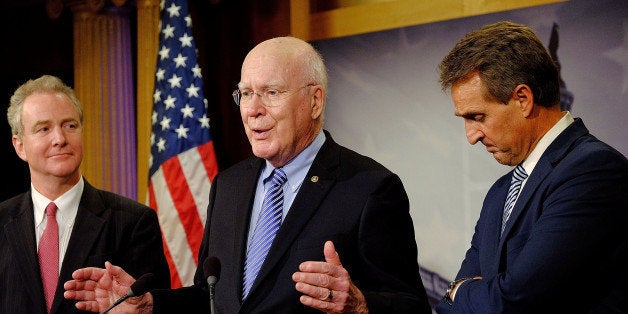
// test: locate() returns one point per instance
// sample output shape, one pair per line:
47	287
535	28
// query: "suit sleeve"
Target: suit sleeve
146	251
389	275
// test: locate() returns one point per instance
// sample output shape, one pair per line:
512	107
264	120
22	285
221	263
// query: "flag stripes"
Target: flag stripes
183	160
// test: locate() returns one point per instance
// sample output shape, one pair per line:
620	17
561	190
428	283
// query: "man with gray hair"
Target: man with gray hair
63	223
304	226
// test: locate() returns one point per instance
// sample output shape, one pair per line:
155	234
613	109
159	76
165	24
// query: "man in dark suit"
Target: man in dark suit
346	241
551	236
90	226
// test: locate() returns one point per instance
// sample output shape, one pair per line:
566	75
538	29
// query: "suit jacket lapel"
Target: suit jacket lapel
541	170
86	231
245	194
550	158
317	183
491	241
20	232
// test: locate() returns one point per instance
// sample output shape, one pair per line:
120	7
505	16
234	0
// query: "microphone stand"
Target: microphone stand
212	295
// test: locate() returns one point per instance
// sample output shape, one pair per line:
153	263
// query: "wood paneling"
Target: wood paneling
363	16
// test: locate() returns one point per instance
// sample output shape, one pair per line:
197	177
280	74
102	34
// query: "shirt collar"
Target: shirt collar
67	203
545	142
297	168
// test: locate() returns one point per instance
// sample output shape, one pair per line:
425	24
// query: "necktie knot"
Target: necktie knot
519	174
51	209
278	177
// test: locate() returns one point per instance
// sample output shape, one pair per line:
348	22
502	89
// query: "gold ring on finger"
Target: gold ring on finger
329	297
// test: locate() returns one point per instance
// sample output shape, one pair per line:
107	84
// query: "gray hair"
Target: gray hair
317	65
44	84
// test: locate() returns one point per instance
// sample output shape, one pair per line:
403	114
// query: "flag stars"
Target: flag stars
192	90
182	131
197	71
187	111
157	96
168	31
175	81
178	118
160	75
204	121
173	10
161	145
186	41
165	124
164	53
169	102
180	60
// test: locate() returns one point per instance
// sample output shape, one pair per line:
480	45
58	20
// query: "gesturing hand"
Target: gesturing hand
96	288
327	286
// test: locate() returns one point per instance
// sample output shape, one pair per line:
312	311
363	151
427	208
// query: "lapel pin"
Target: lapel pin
314	179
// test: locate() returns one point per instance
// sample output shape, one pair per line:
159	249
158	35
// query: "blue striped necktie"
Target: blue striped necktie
515	185
265	230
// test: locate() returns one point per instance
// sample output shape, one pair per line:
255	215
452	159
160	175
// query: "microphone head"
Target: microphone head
143	284
211	268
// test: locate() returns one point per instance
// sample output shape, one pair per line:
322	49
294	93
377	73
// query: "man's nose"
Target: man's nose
58	136
473	133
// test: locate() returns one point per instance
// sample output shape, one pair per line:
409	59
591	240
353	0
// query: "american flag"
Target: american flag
183	161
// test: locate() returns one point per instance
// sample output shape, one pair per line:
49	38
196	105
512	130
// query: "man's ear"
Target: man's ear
524	98
19	147
317	102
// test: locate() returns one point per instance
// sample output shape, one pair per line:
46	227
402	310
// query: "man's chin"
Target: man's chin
504	159
262	150
65	171
501	158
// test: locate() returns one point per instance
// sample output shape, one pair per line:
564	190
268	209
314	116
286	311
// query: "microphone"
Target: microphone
211	269
139	287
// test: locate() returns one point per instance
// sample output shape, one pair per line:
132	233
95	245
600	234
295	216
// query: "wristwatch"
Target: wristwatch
452	285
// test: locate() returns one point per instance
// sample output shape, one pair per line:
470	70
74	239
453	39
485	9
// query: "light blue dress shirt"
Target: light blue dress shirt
295	170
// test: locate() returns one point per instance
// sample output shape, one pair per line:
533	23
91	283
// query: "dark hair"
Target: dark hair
505	54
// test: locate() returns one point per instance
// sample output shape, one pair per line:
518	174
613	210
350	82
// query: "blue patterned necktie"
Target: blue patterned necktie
265	230
515	185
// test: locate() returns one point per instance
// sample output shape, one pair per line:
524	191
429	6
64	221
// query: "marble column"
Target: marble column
104	83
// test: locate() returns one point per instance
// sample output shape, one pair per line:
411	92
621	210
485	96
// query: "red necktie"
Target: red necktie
49	255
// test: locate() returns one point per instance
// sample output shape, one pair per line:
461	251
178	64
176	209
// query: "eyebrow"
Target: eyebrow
63	121
466	114
39	123
268	85
460	114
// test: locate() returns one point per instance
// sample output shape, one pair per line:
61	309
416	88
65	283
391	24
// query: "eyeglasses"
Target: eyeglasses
270	97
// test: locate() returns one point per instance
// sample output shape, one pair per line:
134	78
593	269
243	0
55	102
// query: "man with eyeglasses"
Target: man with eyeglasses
342	240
